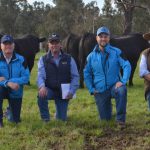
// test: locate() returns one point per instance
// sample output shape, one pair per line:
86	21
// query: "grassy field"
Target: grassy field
83	130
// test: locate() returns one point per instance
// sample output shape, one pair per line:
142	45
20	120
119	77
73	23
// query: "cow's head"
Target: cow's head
35	41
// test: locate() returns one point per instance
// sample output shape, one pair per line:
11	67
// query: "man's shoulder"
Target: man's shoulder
115	49
20	57
146	51
91	54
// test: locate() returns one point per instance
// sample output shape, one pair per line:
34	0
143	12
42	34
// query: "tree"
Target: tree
128	7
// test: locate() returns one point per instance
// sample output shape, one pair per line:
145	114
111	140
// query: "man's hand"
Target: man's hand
69	96
43	92
118	84
147	77
95	92
2	79
13	86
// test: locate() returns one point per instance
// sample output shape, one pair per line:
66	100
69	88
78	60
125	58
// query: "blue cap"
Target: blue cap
104	30
7	38
54	37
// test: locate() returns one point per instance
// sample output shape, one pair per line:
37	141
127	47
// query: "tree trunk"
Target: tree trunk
128	17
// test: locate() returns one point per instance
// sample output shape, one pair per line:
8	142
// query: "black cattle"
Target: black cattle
71	46
1	36
28	46
131	45
86	45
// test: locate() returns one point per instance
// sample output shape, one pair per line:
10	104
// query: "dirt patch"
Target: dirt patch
118	140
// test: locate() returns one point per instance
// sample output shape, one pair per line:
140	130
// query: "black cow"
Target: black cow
86	45
71	46
132	45
28	46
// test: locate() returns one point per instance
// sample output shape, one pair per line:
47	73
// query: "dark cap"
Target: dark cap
54	37
7	38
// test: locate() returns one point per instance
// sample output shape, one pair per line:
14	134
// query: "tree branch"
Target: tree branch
125	3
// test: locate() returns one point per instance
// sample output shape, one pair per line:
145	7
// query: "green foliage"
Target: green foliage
65	16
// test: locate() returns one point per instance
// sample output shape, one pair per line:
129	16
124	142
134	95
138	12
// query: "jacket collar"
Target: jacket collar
50	56
2	58
106	48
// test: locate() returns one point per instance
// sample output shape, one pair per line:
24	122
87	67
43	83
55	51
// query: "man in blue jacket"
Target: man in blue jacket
102	77
14	74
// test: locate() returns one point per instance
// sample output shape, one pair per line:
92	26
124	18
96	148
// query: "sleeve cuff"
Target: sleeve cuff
41	85
92	91
5	83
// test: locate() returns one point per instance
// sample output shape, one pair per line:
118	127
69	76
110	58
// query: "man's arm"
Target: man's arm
125	65
74	85
88	76
143	70
24	75
41	73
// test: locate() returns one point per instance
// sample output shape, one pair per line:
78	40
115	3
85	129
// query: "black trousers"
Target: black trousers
14	104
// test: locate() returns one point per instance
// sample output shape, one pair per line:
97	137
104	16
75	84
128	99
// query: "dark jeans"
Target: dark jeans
103	101
61	106
14	104
148	100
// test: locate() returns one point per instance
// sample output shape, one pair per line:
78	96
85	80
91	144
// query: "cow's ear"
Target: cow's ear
42	39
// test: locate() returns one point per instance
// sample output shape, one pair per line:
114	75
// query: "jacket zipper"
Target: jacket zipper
105	72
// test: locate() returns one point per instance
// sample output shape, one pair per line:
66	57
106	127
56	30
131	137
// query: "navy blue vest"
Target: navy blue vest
57	75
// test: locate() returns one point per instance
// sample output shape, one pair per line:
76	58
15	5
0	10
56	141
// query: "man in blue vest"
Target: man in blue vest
102	77
54	69
14	73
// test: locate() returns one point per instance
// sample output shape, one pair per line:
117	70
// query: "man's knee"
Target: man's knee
3	92
121	90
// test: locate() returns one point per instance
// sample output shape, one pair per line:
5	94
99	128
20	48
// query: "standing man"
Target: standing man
103	80
13	75
144	69
54	69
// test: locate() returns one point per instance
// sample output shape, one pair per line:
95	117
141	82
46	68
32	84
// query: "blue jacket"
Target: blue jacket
16	71
102	72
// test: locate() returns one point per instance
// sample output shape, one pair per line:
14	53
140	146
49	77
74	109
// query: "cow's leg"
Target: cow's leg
30	62
81	80
81	75
133	67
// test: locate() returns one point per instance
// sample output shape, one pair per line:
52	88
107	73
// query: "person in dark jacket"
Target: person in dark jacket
54	69
14	73
102	77
144	69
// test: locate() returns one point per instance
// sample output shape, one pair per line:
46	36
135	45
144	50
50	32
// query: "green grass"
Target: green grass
83	130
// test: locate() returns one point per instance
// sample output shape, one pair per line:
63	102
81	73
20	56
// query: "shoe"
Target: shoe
121	125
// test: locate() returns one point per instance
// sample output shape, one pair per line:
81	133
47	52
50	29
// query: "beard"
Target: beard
102	44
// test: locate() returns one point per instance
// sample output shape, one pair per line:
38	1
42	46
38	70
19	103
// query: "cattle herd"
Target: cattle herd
80	46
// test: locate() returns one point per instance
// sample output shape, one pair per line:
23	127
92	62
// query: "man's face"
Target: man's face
103	39
54	46
7	47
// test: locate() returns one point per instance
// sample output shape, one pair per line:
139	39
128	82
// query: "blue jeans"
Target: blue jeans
104	105
14	105
61	106
148	100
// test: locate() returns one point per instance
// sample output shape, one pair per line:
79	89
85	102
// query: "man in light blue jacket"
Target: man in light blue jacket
14	74
102	77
